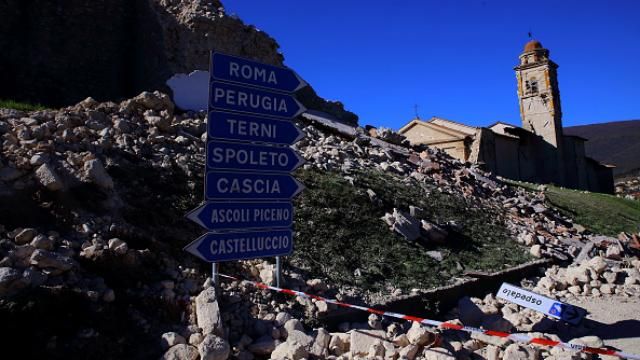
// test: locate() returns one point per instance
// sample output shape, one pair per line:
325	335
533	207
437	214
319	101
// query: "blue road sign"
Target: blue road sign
235	156
214	247
225	96
228	216
223	185
245	71
222	125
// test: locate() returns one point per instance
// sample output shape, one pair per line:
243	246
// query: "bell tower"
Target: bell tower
538	93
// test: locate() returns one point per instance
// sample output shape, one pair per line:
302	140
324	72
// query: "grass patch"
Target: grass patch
339	230
599	213
22	106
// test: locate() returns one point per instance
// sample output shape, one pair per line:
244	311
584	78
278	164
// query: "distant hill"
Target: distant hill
616	143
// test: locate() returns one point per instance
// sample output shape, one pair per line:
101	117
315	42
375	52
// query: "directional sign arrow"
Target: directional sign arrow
238	156
221	185
222	125
227	216
250	100
245	71
214	247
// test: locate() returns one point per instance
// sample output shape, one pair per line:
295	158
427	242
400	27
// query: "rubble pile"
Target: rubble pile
279	335
99	172
629	188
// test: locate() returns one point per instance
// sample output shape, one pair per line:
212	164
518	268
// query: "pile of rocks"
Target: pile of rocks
629	188
281	336
413	229
593	277
54	154
544	230
32	259
496	314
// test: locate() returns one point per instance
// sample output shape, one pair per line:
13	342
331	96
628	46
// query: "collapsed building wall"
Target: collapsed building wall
60	52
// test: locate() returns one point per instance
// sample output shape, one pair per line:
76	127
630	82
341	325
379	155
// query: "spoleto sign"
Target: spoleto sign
224	155
248	161
559	310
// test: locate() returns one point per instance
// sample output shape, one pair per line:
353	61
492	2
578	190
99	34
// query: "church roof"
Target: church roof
454	133
532	45
454	125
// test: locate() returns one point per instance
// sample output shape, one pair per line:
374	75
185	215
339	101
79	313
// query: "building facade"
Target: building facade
538	151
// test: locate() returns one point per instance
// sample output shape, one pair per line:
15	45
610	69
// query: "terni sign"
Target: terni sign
242	127
248	188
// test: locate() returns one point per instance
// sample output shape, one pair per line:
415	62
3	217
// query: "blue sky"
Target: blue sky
455	59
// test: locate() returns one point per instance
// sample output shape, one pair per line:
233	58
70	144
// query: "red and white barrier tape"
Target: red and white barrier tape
520	337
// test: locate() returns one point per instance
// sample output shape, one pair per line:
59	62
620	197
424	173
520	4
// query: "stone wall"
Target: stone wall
59	52
530	158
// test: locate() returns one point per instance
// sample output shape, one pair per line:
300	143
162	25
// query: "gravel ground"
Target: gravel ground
617	320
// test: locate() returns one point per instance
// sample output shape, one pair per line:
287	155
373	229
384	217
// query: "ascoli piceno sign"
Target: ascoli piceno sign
248	188
554	308
242	215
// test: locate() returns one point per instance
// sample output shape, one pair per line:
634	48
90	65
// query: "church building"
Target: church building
538	151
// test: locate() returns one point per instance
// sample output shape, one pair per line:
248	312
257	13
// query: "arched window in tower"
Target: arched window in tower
527	87
534	86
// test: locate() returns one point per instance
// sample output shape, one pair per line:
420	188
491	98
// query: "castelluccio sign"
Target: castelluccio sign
215	247
248	189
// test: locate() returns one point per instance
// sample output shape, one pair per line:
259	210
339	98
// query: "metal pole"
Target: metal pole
278	271
214	274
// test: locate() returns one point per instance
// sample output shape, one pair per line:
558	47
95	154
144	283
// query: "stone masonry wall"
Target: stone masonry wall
59	52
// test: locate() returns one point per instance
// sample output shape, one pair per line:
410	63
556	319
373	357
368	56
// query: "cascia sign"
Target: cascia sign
223	185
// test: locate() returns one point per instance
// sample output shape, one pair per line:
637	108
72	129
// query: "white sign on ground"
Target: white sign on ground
554	308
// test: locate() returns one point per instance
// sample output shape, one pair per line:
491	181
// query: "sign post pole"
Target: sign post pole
278	271
214	273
